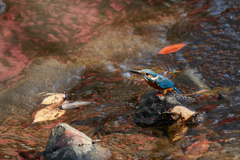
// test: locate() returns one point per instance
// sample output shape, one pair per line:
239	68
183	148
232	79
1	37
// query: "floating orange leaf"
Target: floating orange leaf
171	48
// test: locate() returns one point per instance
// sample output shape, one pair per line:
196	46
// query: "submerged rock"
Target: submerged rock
189	79
66	142
3	7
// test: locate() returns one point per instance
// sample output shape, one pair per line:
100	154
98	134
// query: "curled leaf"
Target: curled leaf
179	112
171	48
76	104
53	98
50	112
183	111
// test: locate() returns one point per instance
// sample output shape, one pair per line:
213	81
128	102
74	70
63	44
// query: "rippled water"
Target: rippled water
84	47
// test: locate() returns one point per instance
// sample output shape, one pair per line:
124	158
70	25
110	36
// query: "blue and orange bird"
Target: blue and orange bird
157	81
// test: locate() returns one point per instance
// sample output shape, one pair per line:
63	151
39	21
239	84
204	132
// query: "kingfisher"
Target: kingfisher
157	81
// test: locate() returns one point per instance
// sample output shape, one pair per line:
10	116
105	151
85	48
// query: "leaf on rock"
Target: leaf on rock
53	98
73	138
198	148
171	48
183	111
50	112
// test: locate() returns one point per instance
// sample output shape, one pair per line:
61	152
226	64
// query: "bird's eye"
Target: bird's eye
147	74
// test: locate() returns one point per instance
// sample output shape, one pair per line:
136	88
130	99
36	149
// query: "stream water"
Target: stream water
83	47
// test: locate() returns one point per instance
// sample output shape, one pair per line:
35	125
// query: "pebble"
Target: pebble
3	7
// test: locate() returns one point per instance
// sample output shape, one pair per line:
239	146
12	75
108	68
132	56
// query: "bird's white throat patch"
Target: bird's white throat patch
154	78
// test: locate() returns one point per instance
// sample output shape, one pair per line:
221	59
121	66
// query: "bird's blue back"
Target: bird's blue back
164	82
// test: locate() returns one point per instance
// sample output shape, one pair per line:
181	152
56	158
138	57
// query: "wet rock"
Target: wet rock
153	109
3	7
66	142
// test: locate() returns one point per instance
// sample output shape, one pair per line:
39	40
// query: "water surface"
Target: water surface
84	47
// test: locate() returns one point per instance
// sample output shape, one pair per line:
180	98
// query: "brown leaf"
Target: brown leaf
171	48
73	138
197	148
183	111
176	131
53	98
50	112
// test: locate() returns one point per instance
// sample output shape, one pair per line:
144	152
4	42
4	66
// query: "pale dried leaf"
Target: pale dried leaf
50	112
53	98
183	111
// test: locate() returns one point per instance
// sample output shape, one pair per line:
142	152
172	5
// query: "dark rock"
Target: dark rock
76	152
152	108
3	7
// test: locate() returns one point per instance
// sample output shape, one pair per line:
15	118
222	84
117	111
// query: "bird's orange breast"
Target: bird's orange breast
154	85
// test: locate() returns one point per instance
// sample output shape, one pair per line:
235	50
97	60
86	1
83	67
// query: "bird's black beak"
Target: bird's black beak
135	71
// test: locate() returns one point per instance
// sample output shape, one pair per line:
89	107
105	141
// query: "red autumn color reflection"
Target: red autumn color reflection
197	148
49	28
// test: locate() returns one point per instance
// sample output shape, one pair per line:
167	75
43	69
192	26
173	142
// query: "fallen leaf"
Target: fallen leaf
53	98
176	131
50	112
183	111
171	48
73	138
198	148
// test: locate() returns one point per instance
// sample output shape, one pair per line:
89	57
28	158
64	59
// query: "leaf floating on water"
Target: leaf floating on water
50	112
73	138
53	98
171	48
76	104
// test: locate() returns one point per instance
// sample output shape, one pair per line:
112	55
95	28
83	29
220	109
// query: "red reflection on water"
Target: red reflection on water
197	148
228	120
211	106
5	141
